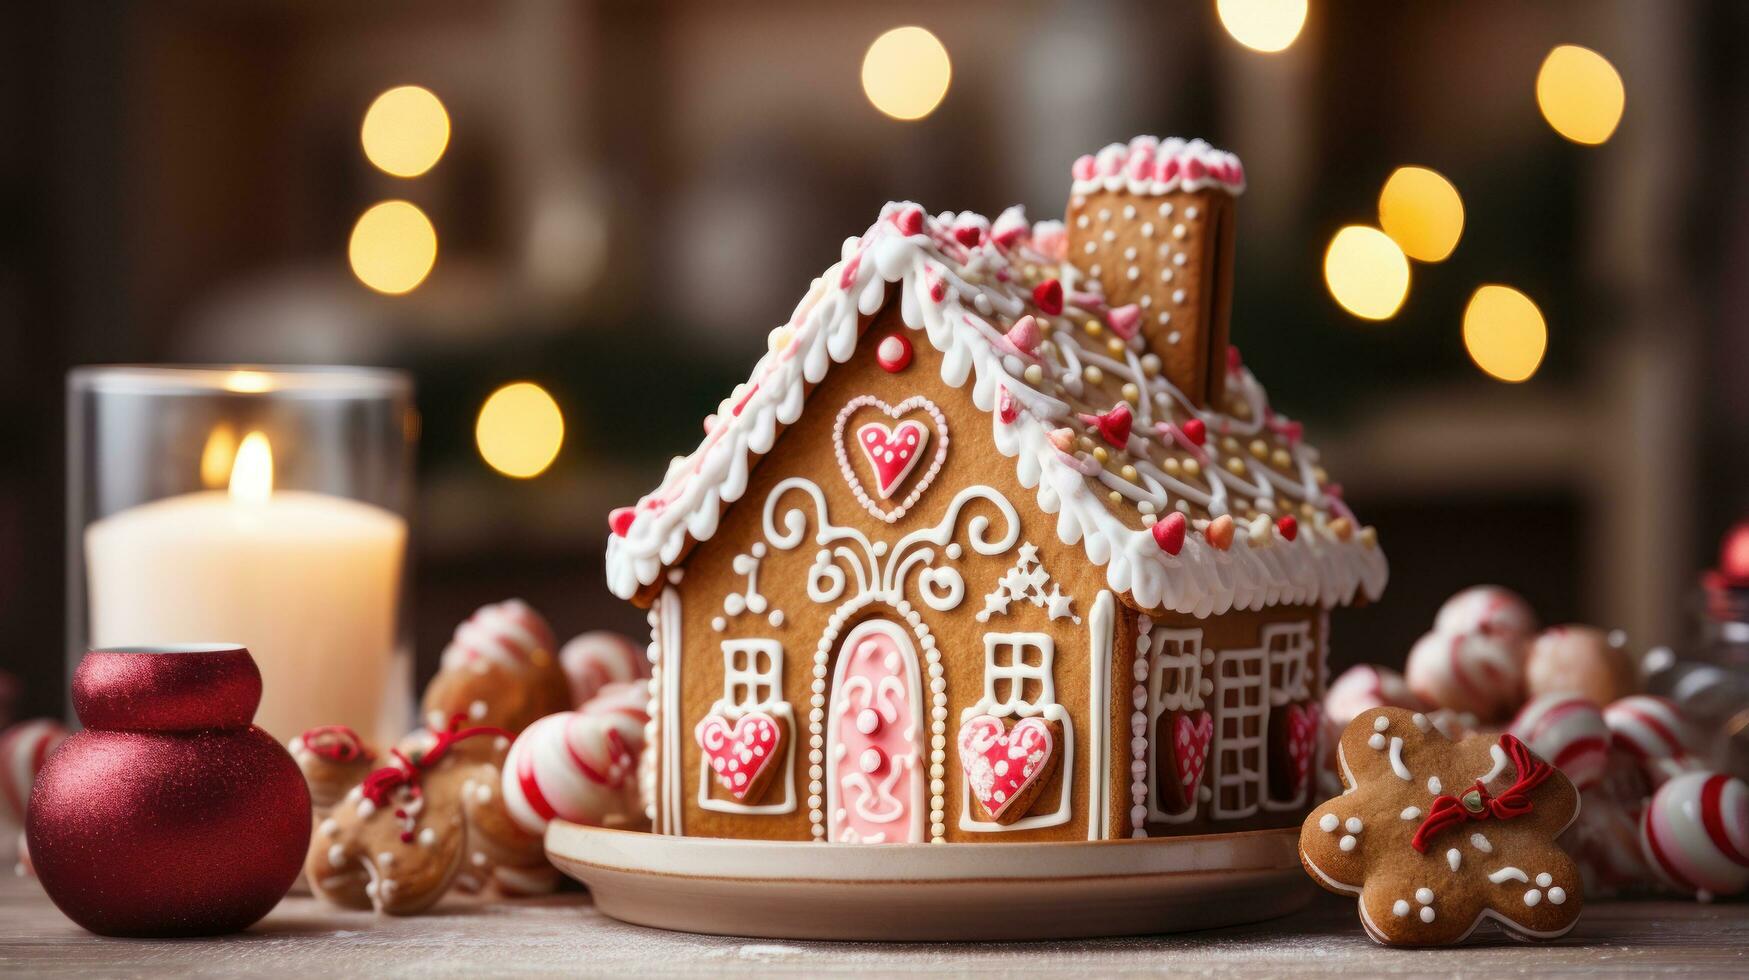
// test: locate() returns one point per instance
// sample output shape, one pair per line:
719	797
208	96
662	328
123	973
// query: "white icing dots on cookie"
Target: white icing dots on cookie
1400	909
1427	913
1348	842
1353	825
1557	896
1434	786
1454	858
1480	843
1381	723
1532	897
1329	823
1377	741
1544	880
1424	896
1411	813
1420	721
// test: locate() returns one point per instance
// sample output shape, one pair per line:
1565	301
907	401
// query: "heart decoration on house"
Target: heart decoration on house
1302	740
1191	732
896	453
1004	767
740	754
893	451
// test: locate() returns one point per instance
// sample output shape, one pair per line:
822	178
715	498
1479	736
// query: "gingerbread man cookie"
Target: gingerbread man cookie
333	758
398	840
1436	836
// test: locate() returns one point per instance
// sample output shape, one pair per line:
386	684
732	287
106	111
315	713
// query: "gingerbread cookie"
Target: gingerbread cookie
500	670
398	840
333	758
1436	836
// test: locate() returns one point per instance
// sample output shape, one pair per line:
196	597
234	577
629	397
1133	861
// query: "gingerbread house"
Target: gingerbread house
1000	542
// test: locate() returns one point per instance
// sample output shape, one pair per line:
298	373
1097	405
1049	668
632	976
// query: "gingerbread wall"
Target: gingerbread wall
747	586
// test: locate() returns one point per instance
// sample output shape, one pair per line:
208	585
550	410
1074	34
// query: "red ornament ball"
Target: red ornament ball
1734	557
170	815
893	353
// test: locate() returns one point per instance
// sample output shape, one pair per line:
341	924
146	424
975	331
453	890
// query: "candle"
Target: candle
307	581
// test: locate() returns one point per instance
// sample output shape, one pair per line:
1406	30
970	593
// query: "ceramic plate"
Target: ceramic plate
798	890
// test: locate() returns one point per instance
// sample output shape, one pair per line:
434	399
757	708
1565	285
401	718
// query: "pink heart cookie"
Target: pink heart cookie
741	754
895	452
1005	768
1190	747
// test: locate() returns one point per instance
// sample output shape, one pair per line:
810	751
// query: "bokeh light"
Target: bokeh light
1504	333
217	456
405	131
393	247
906	73
247	382
1366	272
1422	213
1263	25
252	473
1580	94
520	430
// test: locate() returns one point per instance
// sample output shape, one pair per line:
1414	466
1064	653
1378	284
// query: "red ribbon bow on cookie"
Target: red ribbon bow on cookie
405	772
1479	804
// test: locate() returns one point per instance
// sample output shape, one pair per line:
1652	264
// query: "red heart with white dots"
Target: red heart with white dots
893	451
1000	765
905	452
1191	732
740	753
1302	739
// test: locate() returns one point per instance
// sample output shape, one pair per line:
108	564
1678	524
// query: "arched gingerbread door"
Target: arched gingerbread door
875	738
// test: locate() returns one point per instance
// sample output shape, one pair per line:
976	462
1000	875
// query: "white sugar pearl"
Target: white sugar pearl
1347	843
1353	825
1532	897
1377	741
1381	724
1544	880
1557	896
1427	913
1329	824
1400	908
1424	895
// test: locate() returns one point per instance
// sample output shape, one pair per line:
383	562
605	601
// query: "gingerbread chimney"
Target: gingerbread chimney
1153	223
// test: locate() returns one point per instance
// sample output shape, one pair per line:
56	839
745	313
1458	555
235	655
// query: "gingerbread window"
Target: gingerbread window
1242	703
1290	650
753	685
752	674
1175	701
1018	684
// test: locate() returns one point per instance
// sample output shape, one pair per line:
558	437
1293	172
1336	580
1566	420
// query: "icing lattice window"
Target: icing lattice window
1017	672
1290	650
752	674
1175	684
1242	705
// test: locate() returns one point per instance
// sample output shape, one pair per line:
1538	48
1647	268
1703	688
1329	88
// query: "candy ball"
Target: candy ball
598	658
1579	660
1695	833
500	669
23	749
1652	731
1605	842
1366	686
1476	672
1569	732
1490	609
579	766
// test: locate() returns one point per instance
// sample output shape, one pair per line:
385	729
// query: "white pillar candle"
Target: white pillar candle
308	582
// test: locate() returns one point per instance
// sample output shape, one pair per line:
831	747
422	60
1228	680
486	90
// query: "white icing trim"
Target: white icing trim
960	301
772	704
1397	765
1141	167
1500	762
1249	675
1101	638
1508	873
672	644
1296	665
913	675
1016	673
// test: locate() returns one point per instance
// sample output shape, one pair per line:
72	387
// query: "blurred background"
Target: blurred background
616	201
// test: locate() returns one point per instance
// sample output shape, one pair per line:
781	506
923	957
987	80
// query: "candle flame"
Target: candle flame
252	474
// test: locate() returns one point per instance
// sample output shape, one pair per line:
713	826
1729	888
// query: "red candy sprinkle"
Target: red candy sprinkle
1195	431
968	235
1048	296
1169	533
1006	410
893	353
1288	527
910	221
620	519
1113	426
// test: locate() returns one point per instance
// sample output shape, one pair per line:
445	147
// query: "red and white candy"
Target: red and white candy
1363	687
599	658
1653	732
1475	672
1568	731
23	749
1695	833
507	633
1489	609
579	765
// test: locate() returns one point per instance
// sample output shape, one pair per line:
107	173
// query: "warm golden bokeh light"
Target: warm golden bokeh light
217	456
906	73
520	430
1263	25
1580	94
1422	213
405	131
1366	272
393	247
252	473
1504	333
247	382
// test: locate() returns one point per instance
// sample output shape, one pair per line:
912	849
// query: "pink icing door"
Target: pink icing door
874	739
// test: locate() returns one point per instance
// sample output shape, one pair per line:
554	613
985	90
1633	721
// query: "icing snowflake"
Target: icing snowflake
1026	582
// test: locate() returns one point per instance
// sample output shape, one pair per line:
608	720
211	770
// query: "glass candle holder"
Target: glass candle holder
265	507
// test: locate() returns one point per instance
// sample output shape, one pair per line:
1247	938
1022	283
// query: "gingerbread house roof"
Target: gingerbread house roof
1194	509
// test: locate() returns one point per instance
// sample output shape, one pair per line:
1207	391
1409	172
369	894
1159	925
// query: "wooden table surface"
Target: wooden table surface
563	934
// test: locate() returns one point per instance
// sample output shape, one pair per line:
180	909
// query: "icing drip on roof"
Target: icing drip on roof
1268	527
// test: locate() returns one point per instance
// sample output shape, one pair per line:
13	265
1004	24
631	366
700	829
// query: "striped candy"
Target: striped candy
1489	609
1695	832
1569	732
1477	672
23	749
578	765
1653	732
508	633
599	658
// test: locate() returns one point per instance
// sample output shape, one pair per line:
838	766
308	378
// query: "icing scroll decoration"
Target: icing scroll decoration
748	599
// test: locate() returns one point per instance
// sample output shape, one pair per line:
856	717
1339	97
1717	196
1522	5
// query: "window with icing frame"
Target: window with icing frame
1018	682
1175	684
753	681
